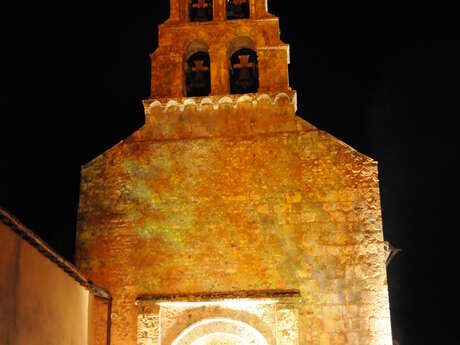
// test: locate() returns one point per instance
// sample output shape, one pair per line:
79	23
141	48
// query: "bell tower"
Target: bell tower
238	48
227	218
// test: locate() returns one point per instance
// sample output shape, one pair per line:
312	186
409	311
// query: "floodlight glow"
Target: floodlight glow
251	332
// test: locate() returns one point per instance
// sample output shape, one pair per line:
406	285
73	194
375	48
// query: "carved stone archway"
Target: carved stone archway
234	318
231	331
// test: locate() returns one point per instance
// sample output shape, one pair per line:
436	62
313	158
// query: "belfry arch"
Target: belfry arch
244	69
237	9
200	10
240	42
197	69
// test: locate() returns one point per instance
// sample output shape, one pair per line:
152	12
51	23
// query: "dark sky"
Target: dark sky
72	78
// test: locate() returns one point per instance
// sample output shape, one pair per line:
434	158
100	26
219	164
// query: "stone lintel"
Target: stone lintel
210	296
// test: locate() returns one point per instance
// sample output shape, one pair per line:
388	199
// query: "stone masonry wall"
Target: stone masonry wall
238	193
219	38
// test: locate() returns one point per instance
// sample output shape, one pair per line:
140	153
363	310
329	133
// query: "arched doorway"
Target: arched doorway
223	331
219	318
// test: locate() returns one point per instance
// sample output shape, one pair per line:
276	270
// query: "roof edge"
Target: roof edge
45	249
206	296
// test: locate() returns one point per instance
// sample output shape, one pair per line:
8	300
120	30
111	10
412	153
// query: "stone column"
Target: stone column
148	323
219	10
184	7
252	9
287	324
174	13
220	83
259	8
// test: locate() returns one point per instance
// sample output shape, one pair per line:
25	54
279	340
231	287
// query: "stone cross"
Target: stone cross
201	4
244	62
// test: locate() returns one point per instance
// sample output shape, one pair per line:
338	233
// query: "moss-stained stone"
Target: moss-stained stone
277	210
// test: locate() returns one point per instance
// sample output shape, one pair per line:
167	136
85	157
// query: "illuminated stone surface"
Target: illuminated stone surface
267	320
235	193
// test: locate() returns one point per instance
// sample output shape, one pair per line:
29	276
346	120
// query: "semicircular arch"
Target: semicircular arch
194	46
199	332
241	42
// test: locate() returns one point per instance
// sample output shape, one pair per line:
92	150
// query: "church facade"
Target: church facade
227	218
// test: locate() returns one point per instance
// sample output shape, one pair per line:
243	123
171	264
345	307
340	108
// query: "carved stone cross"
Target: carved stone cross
199	66
201	4
244	62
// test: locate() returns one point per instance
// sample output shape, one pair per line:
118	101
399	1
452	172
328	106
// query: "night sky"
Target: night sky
72	80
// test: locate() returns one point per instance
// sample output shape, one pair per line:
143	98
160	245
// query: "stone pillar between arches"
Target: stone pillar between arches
174	13
219	10
220	82
259	8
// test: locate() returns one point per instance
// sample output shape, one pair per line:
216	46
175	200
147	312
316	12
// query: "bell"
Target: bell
239	9
201	14
245	80
198	78
200	10
238	12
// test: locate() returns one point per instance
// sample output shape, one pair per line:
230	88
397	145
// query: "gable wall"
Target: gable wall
245	196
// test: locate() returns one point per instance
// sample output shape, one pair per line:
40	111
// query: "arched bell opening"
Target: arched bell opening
200	10
198	75
244	74
237	9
